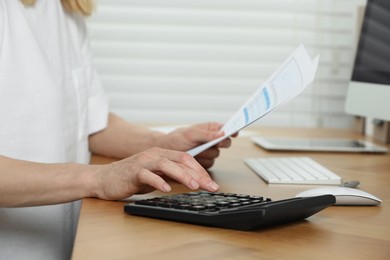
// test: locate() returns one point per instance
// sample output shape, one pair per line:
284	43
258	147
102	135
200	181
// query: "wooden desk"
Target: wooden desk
338	232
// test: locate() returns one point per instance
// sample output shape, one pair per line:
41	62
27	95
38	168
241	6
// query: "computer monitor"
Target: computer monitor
369	89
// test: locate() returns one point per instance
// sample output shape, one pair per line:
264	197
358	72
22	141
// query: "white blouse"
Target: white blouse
51	99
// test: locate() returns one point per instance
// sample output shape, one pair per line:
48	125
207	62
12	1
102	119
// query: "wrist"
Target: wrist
90	181
158	139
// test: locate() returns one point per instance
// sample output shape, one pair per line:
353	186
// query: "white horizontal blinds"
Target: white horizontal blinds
181	61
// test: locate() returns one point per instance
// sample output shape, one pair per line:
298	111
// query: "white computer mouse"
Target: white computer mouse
344	195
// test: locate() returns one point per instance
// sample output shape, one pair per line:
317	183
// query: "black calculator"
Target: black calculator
228	210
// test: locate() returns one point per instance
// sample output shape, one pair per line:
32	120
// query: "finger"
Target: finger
212	152
181	158
201	175
204	133
184	168
205	182
206	163
178	172
210	126
149	178
225	143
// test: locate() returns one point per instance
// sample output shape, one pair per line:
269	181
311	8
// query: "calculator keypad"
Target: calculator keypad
205	201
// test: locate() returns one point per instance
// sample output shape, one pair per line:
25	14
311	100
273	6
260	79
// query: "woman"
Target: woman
53	114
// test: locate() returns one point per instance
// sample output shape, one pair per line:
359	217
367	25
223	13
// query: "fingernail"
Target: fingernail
213	186
194	185
166	187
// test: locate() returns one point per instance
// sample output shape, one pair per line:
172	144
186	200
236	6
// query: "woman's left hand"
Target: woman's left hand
186	138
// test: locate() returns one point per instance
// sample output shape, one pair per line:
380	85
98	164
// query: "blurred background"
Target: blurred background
189	61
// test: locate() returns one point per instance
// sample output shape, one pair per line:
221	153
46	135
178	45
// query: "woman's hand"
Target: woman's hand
121	140
144	172
184	139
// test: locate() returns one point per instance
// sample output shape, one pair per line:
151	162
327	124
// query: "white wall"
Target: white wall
186	61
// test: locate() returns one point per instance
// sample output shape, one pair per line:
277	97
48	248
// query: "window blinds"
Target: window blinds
188	61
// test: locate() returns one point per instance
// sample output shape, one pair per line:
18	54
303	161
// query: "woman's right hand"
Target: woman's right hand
145	172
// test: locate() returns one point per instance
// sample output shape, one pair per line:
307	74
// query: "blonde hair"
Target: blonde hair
84	7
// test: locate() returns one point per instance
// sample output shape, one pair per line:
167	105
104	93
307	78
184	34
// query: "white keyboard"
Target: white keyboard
292	170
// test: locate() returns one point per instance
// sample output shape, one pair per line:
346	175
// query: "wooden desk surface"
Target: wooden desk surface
339	232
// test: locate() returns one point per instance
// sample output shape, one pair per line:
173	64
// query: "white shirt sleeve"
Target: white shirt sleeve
98	107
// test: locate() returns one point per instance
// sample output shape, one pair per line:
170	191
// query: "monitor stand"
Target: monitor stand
381	130
359	125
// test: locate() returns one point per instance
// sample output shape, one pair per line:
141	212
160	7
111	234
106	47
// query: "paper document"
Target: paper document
289	80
